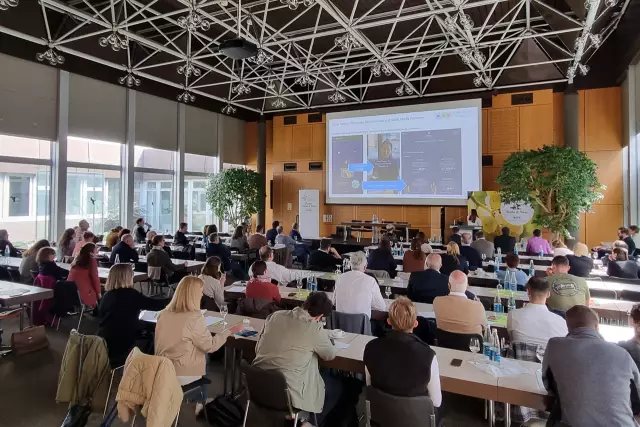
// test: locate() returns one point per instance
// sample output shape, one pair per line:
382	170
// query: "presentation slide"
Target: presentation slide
426	154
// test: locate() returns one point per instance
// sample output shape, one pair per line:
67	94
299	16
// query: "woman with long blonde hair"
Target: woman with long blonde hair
120	309
452	260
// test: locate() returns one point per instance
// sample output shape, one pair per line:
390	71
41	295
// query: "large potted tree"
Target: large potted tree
234	194
561	181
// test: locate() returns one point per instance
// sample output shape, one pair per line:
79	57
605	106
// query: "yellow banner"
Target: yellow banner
494	215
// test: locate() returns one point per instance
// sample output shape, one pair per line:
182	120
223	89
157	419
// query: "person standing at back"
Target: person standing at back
271	234
139	231
566	289
483	246
83	226
594	381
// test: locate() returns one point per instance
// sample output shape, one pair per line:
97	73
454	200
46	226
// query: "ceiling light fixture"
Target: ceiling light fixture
347	42
450	22
278	103
228	109
588	4
188	69
610	3
304	80
337	97
6	4
193	21
129	80
186	97
293	4
596	41
261	58
241	89
404	89
51	55
381	68
117	43
483	80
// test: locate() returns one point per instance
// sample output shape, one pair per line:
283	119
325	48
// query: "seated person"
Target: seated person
119	310
300	250
87	237
580	263
149	244
239	240
536	244
559	248
260	286
452	260
455	312
620	265
425	285
180	239
483	246
382	259
283	239
157	257
616	244
112	238
84	271
257	240
633	345
472	256
414	259
216	248
65	244
273	232
326	258
213	278
594	381
28	264
356	292
182	335
400	363
512	261
296	352
46	259
534	323
4	243
295	232
125	251
456	237
277	272
505	242
566	289
625	236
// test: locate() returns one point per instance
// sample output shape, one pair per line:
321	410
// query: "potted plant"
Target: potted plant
561	181
234	194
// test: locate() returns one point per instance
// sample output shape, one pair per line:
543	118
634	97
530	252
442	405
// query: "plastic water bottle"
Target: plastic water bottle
541	254
311	281
511	304
515	249
497	301
498	261
499	251
117	260
486	342
532	270
374	219
495	351
7	252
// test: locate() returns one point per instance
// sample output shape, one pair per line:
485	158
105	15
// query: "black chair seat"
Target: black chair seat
456	341
187	388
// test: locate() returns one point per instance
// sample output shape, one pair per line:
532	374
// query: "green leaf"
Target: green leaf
234	194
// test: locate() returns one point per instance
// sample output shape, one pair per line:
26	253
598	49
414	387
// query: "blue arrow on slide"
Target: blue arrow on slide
398	185
360	167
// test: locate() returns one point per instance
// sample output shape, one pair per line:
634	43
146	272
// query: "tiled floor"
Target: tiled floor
28	387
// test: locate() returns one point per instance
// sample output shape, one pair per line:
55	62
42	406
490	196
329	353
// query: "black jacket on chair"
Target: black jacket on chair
506	244
425	286
623	269
472	255
124	252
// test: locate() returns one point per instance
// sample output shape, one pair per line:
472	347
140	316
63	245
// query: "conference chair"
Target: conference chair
66	299
268	394
385	410
158	280
353	323
455	341
379	274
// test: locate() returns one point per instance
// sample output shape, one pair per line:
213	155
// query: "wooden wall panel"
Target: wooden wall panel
343	213
540	97
318	142
366	212
603	119
485	131
558	119
282	137
251	143
301	142
536	126
601	225
392	213
418	216
489	176
503	130
609	174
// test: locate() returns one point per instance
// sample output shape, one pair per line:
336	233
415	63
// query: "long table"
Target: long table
18	294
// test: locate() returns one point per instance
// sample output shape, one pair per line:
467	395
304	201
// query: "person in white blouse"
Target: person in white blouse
535	324
559	248
277	272
213	279
356	292
474	219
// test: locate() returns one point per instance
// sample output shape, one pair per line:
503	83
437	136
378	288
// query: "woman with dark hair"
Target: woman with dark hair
28	263
452	260
239	240
113	237
621	266
5	243
84	272
213	278
382	259
65	244
47	266
414	259
474	219
122	232
260	286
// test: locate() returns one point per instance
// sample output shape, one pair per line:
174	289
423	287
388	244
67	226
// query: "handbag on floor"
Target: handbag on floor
78	414
223	411
29	340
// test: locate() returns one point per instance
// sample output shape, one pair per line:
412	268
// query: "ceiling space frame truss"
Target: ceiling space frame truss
318	53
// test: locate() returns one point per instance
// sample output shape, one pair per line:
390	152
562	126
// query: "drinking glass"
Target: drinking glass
540	352
224	310
401	239
474	346
299	284
387	291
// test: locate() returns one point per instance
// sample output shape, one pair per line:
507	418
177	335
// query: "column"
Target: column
178	211
571	139
128	163
59	173
262	168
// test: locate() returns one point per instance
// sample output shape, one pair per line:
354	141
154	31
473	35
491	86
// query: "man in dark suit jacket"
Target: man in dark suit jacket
425	286
472	255
271	234
505	242
455	237
124	251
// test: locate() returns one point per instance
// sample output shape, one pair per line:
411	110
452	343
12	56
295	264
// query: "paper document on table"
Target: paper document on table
340	345
239	289
149	316
210	320
427	314
506	368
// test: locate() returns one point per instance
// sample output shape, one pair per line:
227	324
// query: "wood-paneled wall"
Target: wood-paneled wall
505	129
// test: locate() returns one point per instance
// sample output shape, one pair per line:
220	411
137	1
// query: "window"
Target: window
83	150
26	148
19	195
94	195
152	158
197	212
199	164
153	200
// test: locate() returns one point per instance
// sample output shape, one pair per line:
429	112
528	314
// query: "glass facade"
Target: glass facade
94	195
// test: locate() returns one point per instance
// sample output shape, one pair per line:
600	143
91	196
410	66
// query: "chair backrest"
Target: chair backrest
524	351
630	296
105	264
267	388
380	274
387	410
66	297
154	273
104	249
354	323
455	341
183	254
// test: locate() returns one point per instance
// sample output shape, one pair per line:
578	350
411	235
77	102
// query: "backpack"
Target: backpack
223	411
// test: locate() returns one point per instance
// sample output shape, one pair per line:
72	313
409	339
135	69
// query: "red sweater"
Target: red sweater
88	283
264	290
